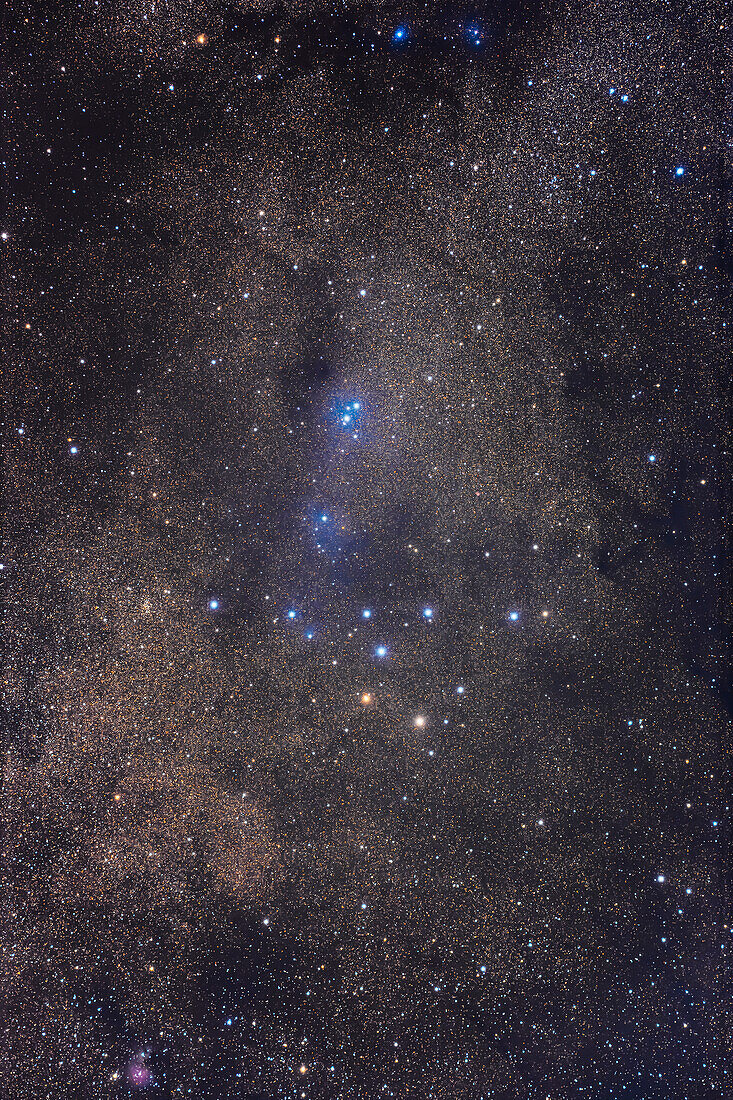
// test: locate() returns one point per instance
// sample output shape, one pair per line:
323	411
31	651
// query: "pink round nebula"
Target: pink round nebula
138	1074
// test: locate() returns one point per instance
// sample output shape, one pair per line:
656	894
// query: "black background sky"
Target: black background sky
365	706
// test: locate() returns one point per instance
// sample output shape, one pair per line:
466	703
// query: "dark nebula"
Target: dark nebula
366	710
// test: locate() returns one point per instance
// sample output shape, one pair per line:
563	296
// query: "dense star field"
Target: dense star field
365	702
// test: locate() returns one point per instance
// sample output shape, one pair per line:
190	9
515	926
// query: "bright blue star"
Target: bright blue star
292	614
679	171
213	605
400	33
73	450
460	689
309	635
652	458
349	414
612	91
427	612
366	613
324	519
514	616
380	651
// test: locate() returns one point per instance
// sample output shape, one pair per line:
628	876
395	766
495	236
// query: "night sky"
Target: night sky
365	705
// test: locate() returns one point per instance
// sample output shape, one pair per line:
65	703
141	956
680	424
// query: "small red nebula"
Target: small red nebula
139	1075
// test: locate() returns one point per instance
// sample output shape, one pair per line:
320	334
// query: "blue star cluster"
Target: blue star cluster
365	705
